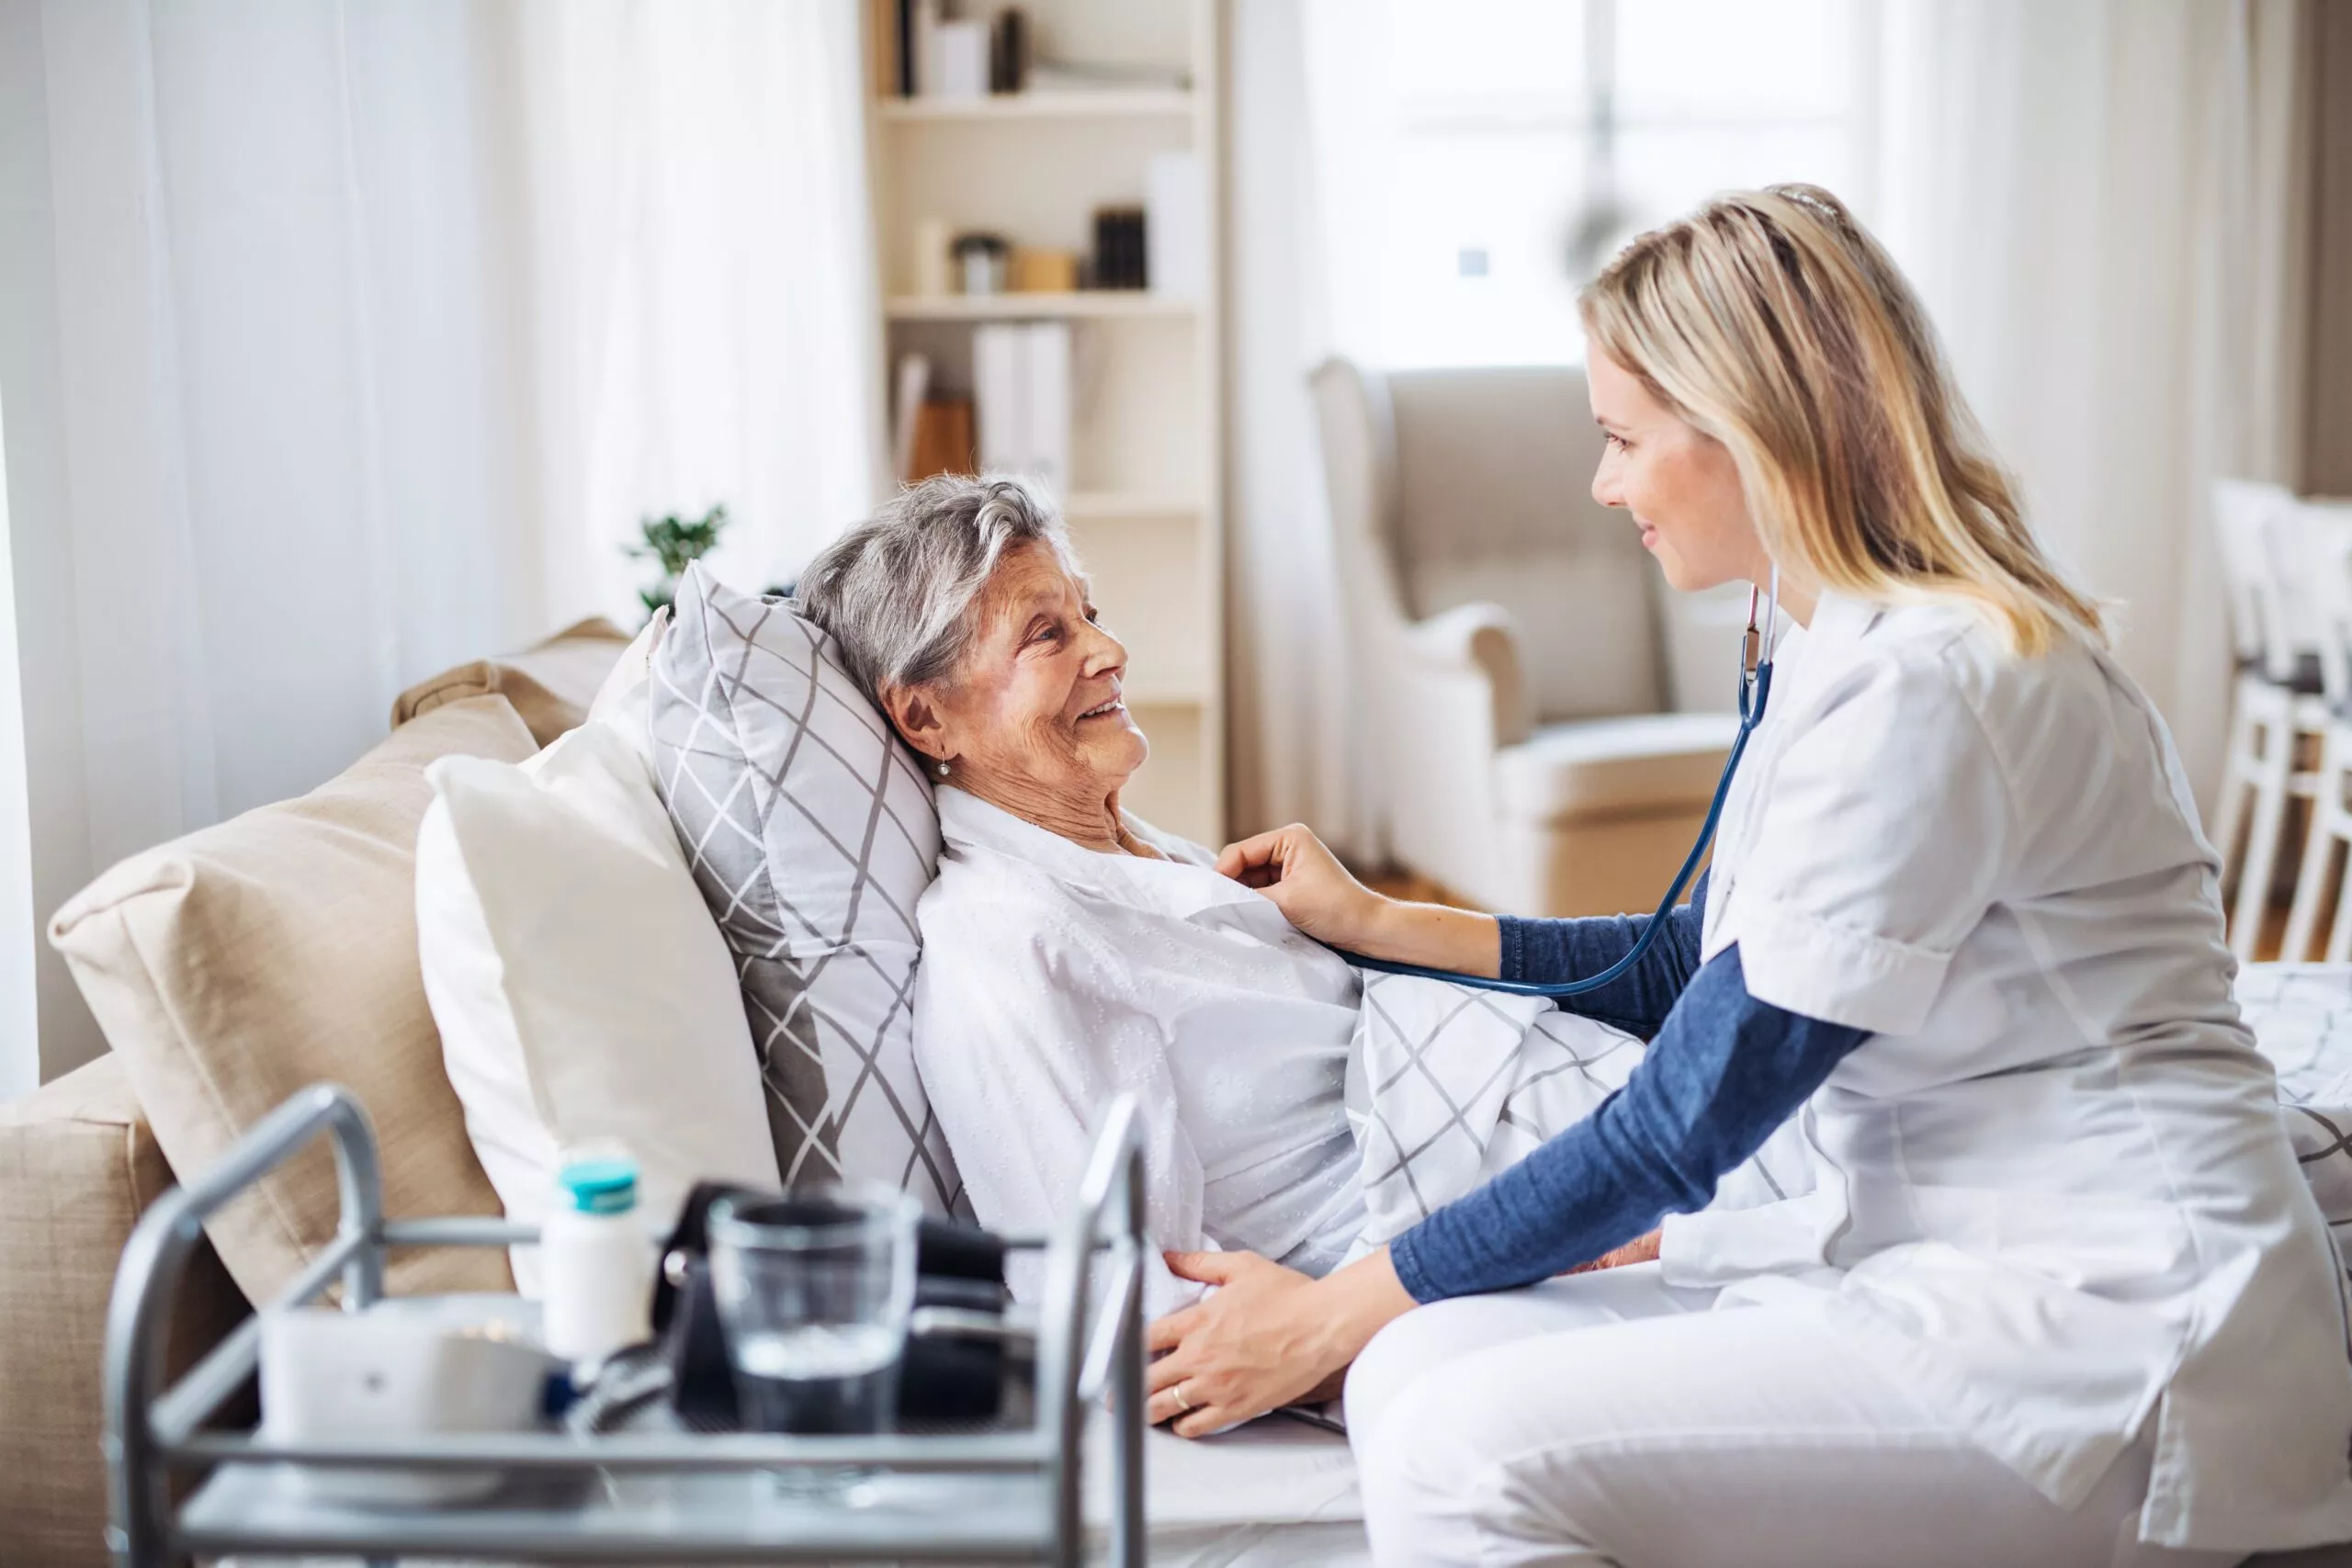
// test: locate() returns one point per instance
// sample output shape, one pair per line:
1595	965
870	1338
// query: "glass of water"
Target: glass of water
814	1292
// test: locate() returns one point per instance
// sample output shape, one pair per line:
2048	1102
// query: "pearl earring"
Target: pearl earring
943	767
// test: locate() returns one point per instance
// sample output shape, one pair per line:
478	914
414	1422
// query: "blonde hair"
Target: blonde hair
1771	321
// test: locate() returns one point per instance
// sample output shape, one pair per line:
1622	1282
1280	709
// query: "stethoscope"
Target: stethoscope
1755	690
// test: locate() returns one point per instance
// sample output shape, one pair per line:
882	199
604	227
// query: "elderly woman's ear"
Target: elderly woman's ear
916	713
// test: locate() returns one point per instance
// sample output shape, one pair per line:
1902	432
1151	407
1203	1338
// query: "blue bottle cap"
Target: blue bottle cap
600	1186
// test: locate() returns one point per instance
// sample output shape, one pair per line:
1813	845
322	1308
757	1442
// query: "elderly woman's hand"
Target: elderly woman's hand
1265	1337
1307	883
1310	886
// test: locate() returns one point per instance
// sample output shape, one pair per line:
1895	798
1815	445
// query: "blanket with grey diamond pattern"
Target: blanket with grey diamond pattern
1449	1085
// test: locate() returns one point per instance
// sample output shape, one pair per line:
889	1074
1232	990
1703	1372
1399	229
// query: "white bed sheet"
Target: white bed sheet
1276	1494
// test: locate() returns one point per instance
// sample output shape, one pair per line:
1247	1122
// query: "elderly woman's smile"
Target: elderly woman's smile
963	611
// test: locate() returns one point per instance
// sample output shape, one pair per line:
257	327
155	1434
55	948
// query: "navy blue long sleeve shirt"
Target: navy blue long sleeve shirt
1723	1070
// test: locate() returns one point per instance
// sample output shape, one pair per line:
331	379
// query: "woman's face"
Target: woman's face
1679	485
1033	719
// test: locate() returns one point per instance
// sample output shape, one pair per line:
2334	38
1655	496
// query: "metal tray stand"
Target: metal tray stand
661	1496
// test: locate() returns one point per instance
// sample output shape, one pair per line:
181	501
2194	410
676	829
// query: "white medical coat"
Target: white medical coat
2052	1192
1054	977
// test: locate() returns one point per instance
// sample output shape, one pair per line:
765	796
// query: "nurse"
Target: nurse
2057	1295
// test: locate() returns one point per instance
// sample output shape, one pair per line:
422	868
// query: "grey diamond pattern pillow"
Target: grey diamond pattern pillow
811	833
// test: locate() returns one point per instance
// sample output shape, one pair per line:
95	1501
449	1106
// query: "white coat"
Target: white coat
2051	1193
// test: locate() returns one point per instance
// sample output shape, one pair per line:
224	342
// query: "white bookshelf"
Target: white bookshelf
1146	451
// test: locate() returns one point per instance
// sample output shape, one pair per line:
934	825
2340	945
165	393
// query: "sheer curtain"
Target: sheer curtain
1293	749
2103	205
342	341
1311	151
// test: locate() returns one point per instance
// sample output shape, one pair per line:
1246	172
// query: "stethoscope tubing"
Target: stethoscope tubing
1755	691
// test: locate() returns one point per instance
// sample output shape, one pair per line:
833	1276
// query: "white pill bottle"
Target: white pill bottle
595	1262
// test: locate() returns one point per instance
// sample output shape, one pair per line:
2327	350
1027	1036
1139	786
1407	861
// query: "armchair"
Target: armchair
1515	664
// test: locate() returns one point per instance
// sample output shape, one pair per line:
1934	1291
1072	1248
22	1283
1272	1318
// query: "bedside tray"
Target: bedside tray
635	1485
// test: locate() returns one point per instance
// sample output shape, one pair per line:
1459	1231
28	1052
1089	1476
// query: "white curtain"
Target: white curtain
20	917
702	283
1298	89
2103	204
343	342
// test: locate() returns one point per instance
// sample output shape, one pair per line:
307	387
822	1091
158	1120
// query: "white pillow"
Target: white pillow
581	988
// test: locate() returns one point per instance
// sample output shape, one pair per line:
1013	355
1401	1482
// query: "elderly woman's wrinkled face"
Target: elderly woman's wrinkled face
1034	716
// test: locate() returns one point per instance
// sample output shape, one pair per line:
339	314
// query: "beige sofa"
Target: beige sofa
228	969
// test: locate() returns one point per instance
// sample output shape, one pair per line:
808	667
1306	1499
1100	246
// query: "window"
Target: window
1525	140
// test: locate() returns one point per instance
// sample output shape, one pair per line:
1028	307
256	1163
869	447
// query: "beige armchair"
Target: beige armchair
1515	663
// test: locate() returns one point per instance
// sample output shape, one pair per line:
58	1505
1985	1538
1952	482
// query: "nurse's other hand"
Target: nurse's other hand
1641	1249
1307	883
1267	1336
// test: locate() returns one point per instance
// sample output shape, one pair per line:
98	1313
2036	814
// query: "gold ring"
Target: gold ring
1183	1404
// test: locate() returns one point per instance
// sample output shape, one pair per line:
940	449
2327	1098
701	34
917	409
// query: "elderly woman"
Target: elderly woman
1070	950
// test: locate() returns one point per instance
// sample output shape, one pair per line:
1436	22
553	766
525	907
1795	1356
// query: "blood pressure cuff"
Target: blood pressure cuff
940	1379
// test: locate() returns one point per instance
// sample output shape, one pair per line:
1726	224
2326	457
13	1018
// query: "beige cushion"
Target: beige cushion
78	1164
232	967
550	686
1650	764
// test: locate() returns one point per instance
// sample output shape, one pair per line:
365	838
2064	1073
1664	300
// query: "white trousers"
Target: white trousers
1609	1418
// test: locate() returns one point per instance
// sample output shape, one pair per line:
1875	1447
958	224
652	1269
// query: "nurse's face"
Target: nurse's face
1034	721
1680	486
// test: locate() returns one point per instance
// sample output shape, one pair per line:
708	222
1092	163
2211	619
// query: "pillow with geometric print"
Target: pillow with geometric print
811	832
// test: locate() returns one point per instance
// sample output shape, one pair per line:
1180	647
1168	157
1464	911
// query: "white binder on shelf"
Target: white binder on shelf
1021	378
1000	396
1049	350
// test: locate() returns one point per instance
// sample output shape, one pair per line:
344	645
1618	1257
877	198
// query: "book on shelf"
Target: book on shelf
914	381
943	442
1020	380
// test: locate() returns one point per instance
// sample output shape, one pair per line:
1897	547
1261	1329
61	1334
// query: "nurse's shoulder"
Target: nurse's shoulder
2080	752
1930	648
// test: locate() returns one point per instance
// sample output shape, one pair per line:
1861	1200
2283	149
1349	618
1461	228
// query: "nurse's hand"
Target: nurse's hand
1641	1249
1310	886
1266	1336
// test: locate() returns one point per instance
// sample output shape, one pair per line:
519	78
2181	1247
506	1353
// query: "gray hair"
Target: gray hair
897	591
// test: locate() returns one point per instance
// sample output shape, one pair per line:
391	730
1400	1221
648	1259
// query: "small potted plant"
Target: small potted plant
675	542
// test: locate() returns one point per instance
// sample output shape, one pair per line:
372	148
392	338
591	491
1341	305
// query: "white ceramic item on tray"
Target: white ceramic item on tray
404	1368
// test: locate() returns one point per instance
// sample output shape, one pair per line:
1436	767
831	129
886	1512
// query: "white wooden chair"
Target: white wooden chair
2277	712
2321	537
